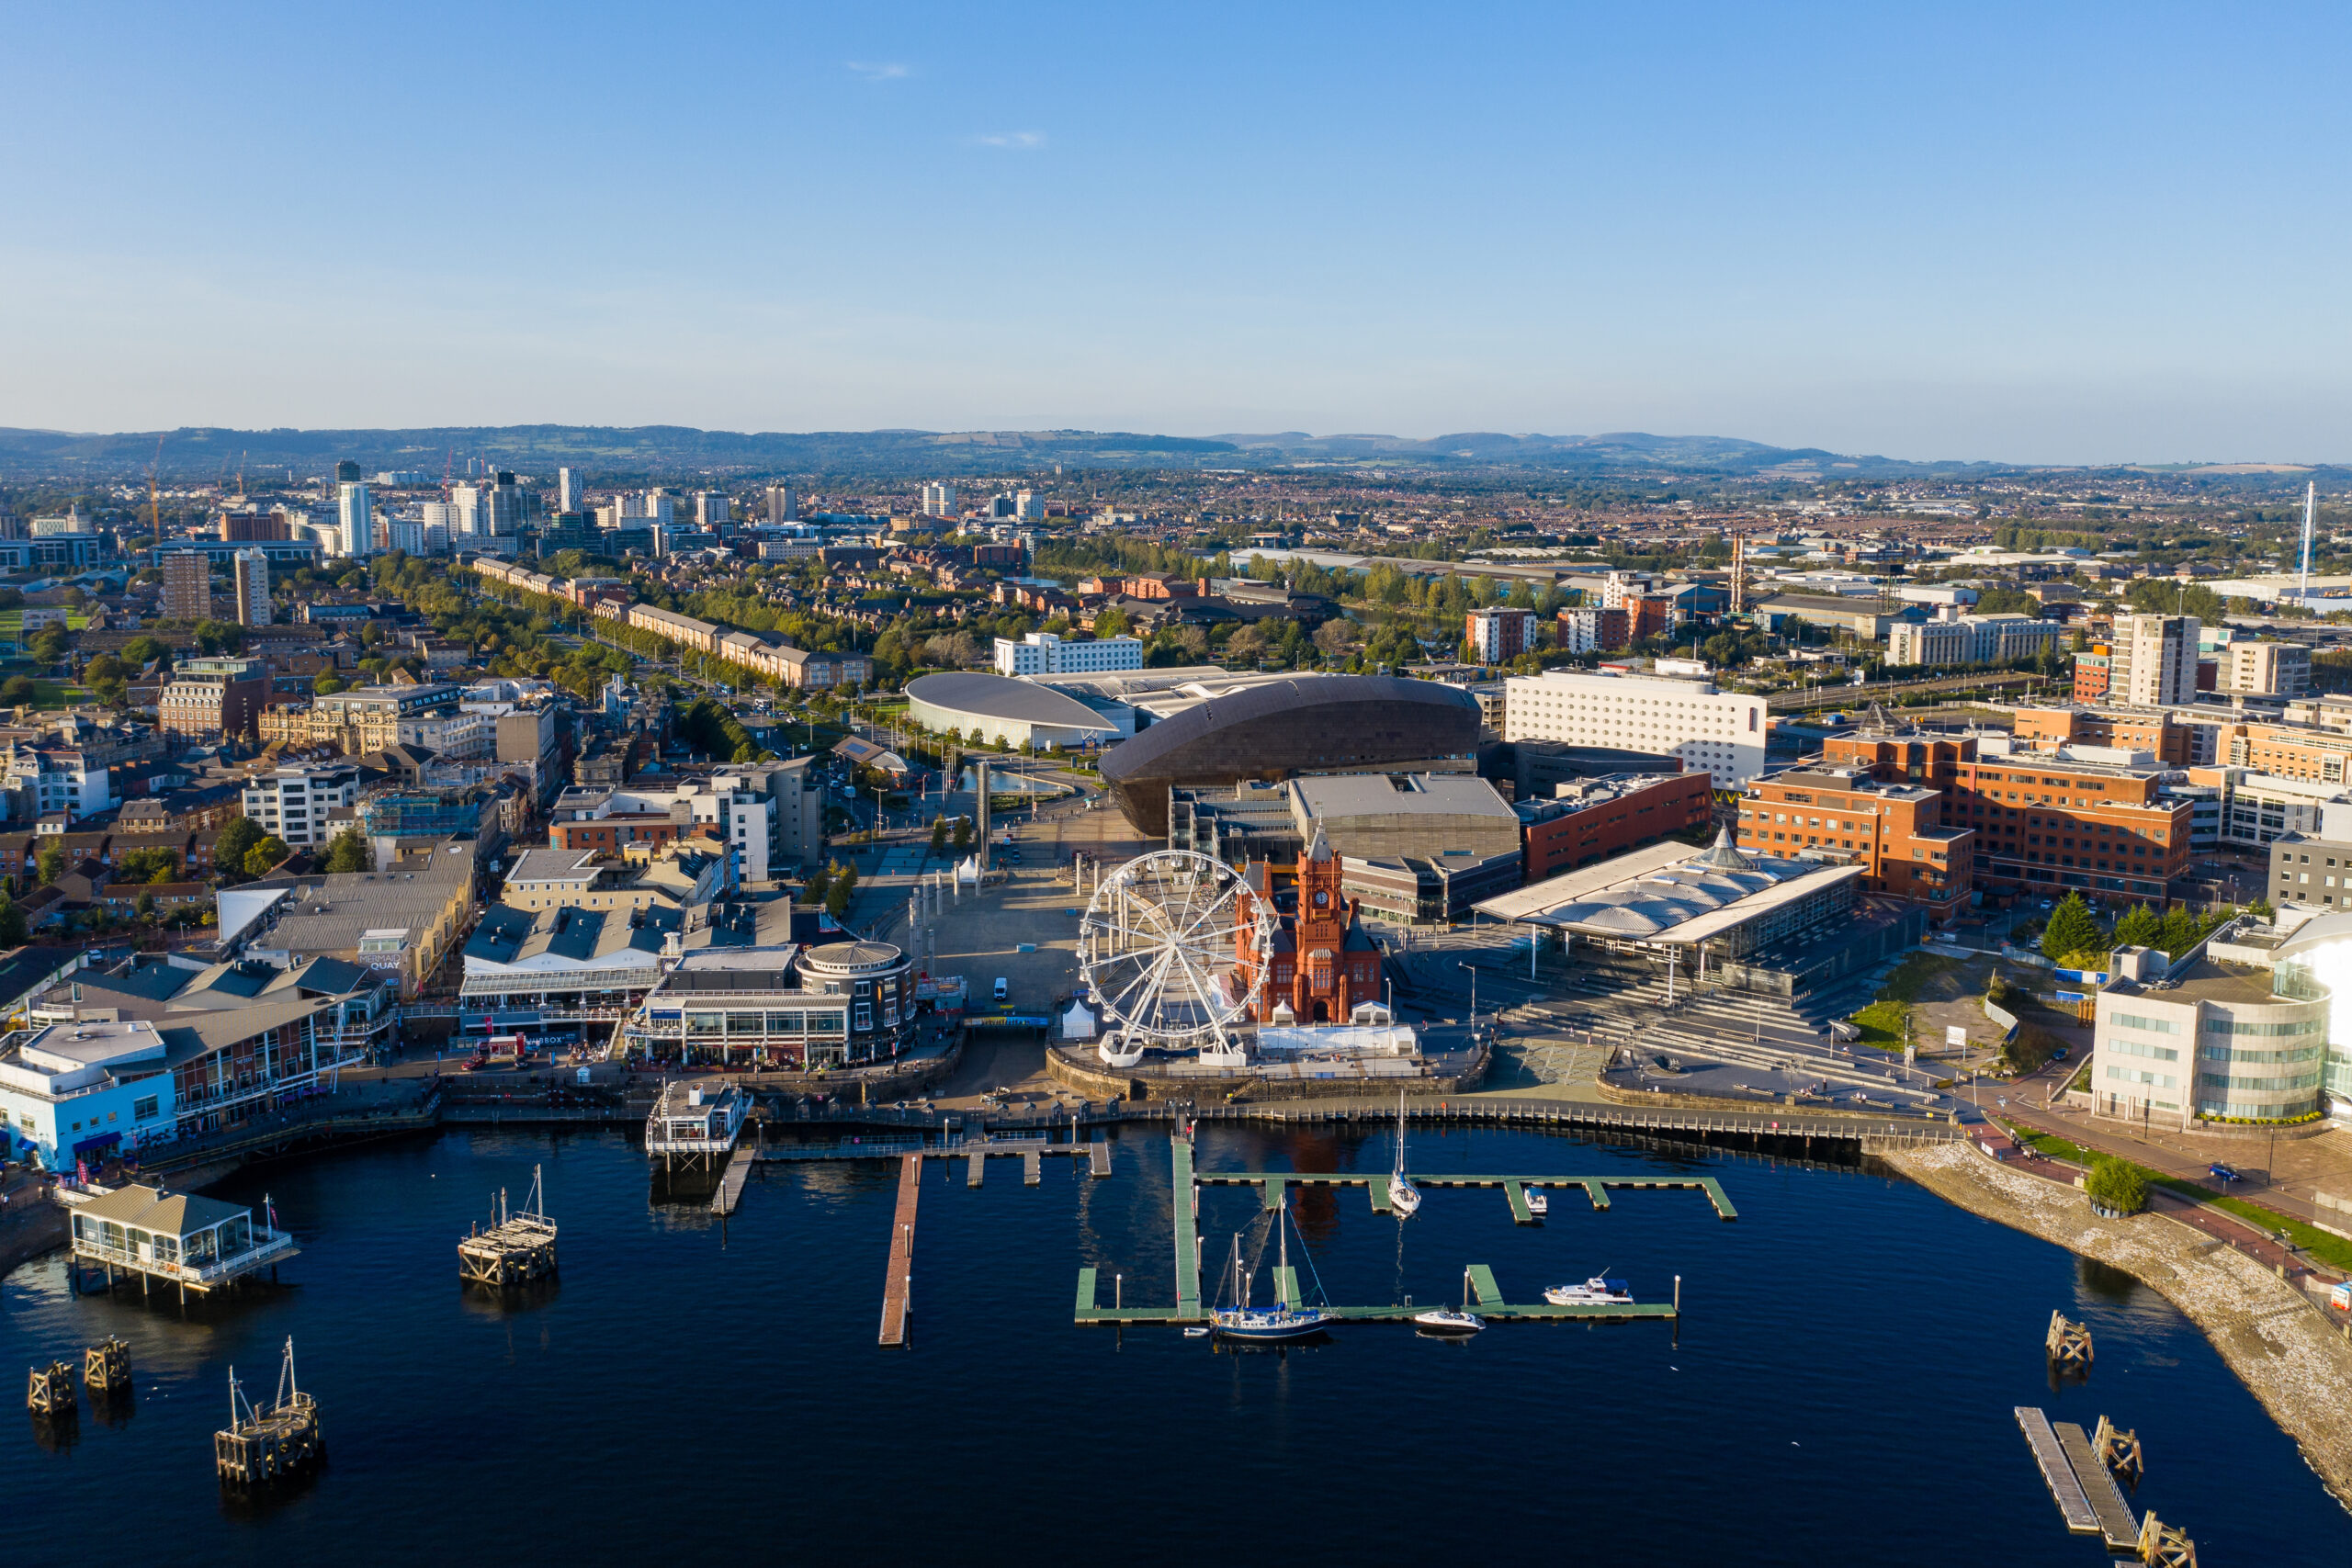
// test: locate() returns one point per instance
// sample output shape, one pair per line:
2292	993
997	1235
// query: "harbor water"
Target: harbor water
1840	1391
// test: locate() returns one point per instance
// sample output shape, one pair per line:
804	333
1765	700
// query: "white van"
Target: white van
1001	989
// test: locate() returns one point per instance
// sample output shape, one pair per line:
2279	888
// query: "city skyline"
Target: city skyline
2014	237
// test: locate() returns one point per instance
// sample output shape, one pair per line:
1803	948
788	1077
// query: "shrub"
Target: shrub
2116	1184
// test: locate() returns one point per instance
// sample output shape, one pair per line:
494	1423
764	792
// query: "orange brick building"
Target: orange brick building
1321	963
1592	819
2041	825
1893	830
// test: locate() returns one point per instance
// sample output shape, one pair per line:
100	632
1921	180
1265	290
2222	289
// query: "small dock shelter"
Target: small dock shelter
198	1244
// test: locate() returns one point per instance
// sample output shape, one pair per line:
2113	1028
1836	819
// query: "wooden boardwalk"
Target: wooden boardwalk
900	1282
2115	1518
730	1184
2056	1474
1188	1255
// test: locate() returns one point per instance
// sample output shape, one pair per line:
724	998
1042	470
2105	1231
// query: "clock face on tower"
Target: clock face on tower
1321	899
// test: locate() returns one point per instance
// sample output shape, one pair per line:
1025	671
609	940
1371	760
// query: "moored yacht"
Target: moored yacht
1595	1291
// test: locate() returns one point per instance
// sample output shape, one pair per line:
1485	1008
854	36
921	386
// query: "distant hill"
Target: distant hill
682	453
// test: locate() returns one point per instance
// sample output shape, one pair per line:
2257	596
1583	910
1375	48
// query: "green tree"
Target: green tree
2116	1184
838	891
2073	928
236	841
264	857
51	861
963	834
145	907
939	836
326	685
820	882
2140	927
14	928
351	851
18	689
2181	931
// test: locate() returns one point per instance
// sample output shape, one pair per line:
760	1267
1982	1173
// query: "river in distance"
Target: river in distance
1841	1390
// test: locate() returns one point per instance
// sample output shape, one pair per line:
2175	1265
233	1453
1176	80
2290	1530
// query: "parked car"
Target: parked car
2225	1172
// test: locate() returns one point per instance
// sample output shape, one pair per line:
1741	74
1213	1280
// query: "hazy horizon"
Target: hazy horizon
2006	235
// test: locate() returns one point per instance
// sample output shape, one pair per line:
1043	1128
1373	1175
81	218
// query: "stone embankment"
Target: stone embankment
2281	1345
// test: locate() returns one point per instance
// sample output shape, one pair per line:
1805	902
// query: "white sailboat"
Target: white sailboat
1403	1196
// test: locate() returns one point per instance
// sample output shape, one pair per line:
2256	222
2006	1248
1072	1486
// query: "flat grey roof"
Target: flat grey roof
1413	795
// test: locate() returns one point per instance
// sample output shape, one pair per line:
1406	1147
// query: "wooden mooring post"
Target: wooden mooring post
49	1390
517	1250
2118	1451
2069	1345
106	1369
2162	1546
261	1445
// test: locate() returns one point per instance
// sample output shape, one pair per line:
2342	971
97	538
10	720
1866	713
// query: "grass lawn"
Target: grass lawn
2328	1247
1885	1022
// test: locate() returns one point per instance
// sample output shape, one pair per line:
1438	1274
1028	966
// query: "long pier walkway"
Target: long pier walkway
899	1283
2056	1474
2115	1518
1514	1187
730	1184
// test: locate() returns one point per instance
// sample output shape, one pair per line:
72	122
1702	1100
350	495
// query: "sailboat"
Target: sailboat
1279	1321
1403	1196
1446	1321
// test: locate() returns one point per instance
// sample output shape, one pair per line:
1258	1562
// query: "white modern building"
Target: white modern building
939	500
1044	653
292	803
251	571
1718	732
82	1091
2153	661
568	494
2200	1038
355	519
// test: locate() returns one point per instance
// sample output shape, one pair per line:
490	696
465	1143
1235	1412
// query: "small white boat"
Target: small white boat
1537	1204
1447	1321
1595	1291
1403	1196
1197	1334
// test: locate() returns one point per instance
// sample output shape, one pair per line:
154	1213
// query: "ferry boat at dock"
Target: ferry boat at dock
1595	1291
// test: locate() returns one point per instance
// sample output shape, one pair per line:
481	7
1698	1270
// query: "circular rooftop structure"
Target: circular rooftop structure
1275	730
850	957
1019	713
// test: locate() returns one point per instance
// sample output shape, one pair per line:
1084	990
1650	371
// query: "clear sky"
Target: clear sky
2034	233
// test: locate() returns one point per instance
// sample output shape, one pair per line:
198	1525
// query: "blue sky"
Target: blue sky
2030	233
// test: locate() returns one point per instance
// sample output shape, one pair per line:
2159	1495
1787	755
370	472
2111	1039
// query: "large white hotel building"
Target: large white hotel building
1720	733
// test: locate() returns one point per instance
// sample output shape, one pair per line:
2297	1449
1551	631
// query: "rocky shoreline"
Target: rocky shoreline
2278	1344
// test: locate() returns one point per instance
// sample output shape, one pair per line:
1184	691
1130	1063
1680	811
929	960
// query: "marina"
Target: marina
582	1373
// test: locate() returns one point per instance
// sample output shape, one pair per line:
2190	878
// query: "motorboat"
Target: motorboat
1447	1321
1537	1203
1281	1321
1595	1291
1403	1196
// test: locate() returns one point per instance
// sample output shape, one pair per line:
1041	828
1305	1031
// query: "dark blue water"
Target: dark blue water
1841	1392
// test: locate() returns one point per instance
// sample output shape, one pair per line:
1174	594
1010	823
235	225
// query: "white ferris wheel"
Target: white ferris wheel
1159	950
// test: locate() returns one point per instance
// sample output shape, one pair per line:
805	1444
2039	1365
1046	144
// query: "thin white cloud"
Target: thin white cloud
881	70
1018	140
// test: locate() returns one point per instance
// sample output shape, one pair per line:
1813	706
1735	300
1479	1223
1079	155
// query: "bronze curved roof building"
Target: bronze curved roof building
1275	730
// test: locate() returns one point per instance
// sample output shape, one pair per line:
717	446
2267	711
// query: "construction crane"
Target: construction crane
241	474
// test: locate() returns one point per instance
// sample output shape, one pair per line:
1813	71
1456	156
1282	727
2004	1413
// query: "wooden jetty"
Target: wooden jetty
517	1248
899	1283
1491	1301
106	1369
2069	1345
49	1390
2114	1514
723	1202
264	1444
2073	1505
